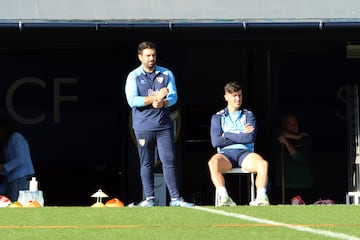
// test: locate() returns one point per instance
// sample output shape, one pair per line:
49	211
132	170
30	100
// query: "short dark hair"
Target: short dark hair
145	45
232	87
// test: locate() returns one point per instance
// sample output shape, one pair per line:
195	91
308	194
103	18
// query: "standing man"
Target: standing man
233	132
294	160
150	91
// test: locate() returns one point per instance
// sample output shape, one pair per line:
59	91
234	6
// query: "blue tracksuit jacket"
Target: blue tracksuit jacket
226	133
138	85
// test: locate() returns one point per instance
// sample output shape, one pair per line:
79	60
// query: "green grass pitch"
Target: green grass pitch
205	222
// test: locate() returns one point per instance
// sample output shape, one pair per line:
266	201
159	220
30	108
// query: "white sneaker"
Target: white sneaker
147	203
226	201
180	203
262	201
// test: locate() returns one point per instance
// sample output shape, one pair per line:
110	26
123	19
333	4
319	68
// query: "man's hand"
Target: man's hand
163	92
158	104
283	140
156	99
248	128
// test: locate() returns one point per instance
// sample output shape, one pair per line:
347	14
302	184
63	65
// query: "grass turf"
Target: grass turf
176	223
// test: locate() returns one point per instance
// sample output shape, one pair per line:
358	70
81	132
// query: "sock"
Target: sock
260	192
222	191
149	198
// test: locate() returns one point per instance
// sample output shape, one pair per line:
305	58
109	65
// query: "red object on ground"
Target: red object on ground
4	201
297	201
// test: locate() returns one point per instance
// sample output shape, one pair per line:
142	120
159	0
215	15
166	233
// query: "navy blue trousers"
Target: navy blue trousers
15	186
163	141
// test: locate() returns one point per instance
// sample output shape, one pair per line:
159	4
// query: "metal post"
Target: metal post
282	176
354	149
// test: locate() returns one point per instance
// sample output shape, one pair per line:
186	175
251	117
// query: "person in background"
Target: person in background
294	160
17	167
150	91
233	132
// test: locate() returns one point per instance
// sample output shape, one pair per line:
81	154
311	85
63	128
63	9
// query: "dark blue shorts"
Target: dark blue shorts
236	156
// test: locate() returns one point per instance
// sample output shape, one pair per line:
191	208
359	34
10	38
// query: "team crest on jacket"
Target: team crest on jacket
141	142
160	79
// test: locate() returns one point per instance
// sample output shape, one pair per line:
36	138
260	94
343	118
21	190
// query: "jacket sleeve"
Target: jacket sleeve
216	133
241	137
18	150
172	96
132	95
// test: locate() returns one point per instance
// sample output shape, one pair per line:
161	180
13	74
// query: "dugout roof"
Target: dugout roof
178	12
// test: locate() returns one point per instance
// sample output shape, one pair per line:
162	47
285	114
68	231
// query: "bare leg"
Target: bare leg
218	164
256	164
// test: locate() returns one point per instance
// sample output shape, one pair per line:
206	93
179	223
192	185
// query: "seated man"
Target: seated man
233	132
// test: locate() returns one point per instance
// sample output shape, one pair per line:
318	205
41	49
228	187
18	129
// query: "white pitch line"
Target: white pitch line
265	221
